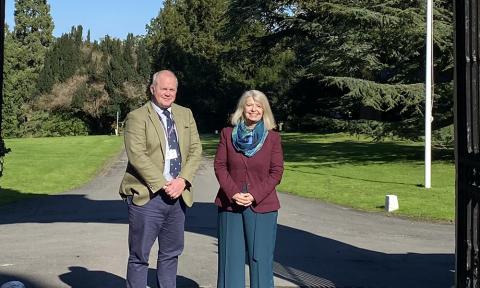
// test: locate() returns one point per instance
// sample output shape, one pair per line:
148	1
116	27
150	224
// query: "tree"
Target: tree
12	101
3	149
88	38
76	34
31	38
128	61
61	61
33	30
185	38
70	86
143	66
367	55
214	62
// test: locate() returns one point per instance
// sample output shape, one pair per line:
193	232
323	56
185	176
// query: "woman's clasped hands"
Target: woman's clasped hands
243	199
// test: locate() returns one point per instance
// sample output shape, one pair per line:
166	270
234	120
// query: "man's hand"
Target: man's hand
243	199
175	187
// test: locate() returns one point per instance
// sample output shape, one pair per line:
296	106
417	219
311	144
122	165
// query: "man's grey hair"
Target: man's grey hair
154	77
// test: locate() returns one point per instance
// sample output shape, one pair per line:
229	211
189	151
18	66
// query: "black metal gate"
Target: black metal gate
467	127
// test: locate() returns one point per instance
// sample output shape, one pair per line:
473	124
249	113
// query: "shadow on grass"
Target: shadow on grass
305	148
357	152
209	144
347	177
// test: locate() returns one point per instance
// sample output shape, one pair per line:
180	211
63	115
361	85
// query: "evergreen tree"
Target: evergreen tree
77	34
367	55
128	61
61	61
25	50
143	62
184	37
169	22
215	64
88	38
114	71
33	35
33	30
12	100
68	99
3	149
114	75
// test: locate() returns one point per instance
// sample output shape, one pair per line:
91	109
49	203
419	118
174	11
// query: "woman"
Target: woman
248	165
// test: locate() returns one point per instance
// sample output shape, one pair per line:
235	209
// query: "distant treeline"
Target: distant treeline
326	66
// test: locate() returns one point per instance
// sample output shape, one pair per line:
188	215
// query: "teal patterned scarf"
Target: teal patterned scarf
249	141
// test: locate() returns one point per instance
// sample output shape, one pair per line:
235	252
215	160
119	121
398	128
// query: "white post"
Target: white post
116	129
428	95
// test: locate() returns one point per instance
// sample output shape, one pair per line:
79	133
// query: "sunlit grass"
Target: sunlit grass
53	165
356	172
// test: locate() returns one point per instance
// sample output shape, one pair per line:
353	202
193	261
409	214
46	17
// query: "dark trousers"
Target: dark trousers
242	234
163	219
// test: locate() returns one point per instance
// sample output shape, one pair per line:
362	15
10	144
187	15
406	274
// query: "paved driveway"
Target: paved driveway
79	239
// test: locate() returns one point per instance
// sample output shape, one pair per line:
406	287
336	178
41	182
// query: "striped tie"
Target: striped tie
175	163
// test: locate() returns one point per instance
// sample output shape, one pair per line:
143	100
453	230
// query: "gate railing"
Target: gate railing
467	139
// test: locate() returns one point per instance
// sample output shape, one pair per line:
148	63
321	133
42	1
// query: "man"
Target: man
164	151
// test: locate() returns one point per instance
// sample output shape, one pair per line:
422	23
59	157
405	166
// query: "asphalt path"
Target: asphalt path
79	239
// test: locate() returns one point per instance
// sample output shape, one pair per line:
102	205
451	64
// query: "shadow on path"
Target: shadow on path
309	260
63	208
80	277
301	257
27	281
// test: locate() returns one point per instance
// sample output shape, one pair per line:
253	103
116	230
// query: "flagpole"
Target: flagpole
428	95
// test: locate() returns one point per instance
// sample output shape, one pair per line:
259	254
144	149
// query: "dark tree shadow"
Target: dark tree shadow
9	196
28	282
309	260
80	277
62	208
348	177
298	148
182	282
301	257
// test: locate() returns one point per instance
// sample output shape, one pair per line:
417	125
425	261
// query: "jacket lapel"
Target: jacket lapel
155	120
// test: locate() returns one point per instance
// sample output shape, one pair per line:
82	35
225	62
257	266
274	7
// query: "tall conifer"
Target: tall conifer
33	30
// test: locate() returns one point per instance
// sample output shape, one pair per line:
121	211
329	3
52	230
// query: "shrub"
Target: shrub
45	124
444	137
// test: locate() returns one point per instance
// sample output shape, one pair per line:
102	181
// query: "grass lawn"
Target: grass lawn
53	165
357	172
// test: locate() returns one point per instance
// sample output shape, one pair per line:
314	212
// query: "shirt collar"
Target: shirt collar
160	110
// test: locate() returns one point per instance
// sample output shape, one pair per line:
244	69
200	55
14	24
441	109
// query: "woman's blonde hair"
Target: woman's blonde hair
258	96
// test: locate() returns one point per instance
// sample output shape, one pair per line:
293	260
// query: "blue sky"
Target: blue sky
116	18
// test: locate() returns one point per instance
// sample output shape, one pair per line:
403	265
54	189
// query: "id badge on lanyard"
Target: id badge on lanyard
171	154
